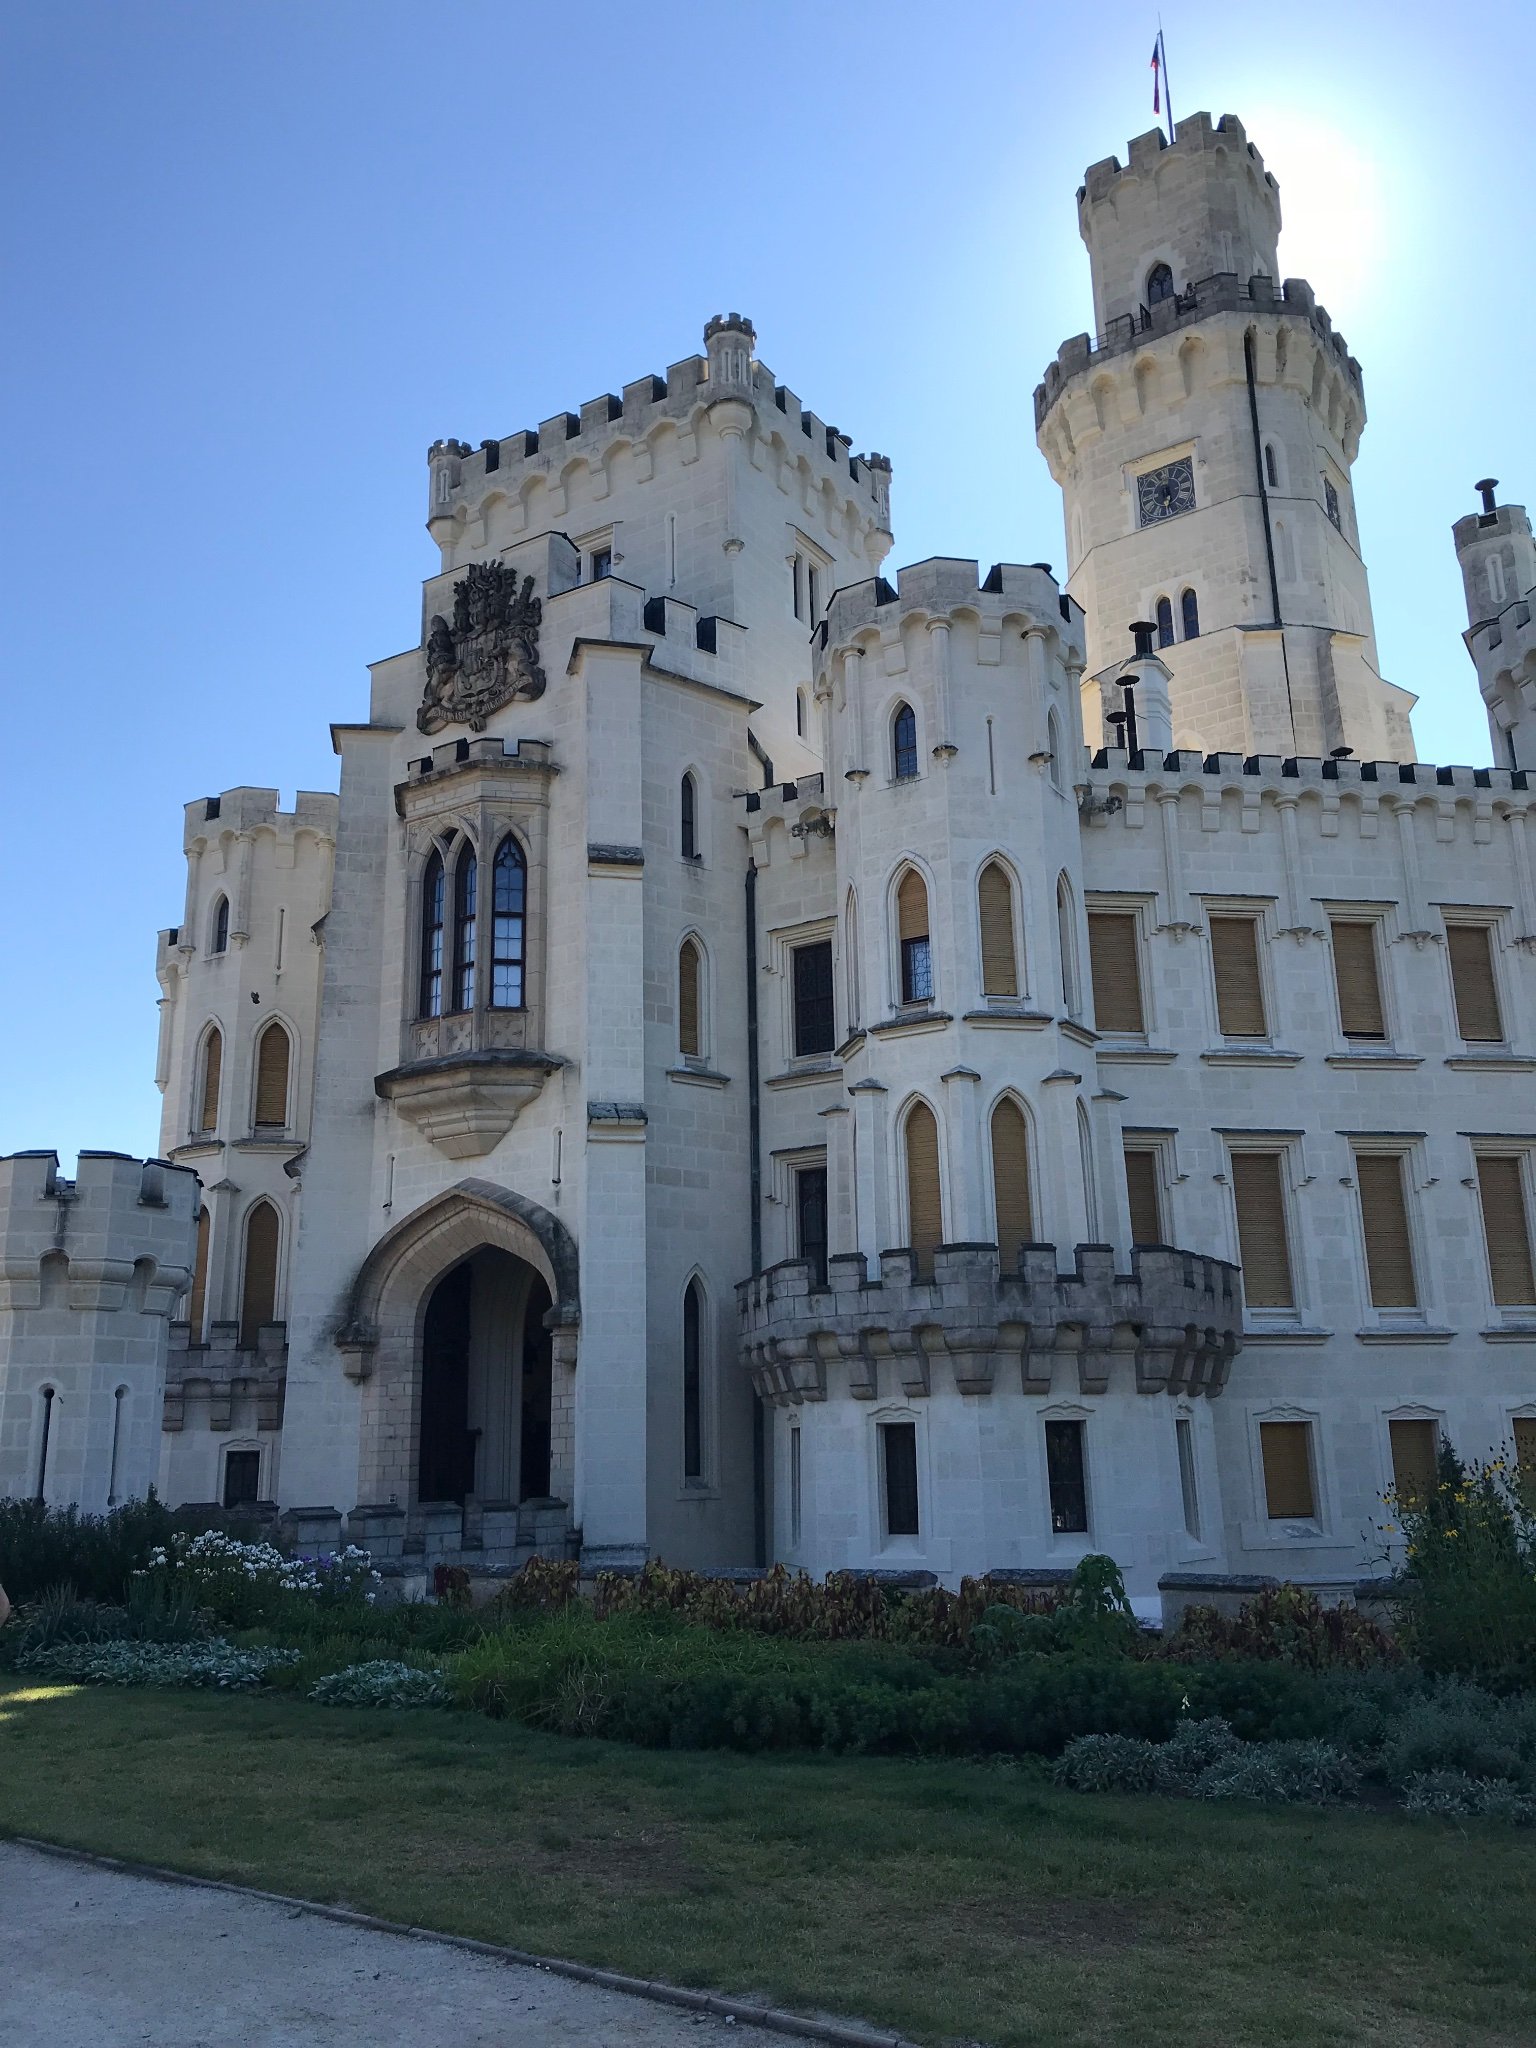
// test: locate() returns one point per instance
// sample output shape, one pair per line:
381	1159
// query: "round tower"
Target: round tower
1204	439
1497	555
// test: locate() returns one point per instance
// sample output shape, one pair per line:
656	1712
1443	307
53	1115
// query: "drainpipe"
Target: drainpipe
755	1196
1269	538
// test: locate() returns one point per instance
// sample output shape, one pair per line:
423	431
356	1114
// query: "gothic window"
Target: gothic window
208	1094
1159	284
1164	623
851	961
999	962
220	942
433	887
688	810
1012	1209
925	1225
466	884
1189	605
509	894
913	939
258	1290
690	977
693	1383
904	742
272	1078
1271	466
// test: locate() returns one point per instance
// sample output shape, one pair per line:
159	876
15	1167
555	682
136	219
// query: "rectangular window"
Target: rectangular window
1263	1244
898	1458
1289	1494
815	1026
1112	954
1470	949
1186	1442
811	1219
1388	1239
1141	1184
1507	1230
796	571
1524	1431
242	1476
916	971
1357	978
794	1489
602	564
1239	987
1066	1478
812	591
1415	1450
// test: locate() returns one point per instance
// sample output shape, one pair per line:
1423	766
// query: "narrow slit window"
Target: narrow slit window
1189	607
1185	1439
898	1458
198	1306
466	889
1271	466
693	1383
1164	622
433	892
213	1066
509	896
221	926
688	805
811	1219
796	1485
690	1041
1067	1478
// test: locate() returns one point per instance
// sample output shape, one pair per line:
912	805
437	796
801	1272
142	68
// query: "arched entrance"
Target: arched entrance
486	1358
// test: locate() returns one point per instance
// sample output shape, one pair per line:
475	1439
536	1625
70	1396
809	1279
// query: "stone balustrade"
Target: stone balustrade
1173	1324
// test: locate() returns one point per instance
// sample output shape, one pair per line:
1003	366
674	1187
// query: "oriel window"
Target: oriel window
433	891
466	886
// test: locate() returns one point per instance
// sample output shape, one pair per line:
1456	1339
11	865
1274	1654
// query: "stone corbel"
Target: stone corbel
909	1355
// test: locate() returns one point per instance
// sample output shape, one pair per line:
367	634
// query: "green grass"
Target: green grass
951	1901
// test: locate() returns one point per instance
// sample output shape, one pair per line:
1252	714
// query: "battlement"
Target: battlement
1209	296
246	810
1196	135
224	1371
944	584
461	477
120	1235
1379	777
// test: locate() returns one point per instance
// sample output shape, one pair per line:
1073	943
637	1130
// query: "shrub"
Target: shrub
1108	1763
1286	1624
1262	1701
545	1585
241	1584
43	1547
450	1585
1458	1727
1284	1773
1453	1795
216	1664
1467	1591
382	1682
60	1616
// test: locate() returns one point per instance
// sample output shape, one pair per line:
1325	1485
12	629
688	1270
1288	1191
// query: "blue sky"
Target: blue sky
259	253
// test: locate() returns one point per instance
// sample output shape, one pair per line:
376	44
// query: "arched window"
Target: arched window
688	805
1164	623
220	940
258	1288
1058	764
466	888
925	1216
197	1308
1189	605
1012	1210
999	964
1159	284
433	889
509	896
1271	466
208	1093
1066	939
690	980
693	1382
912	937
904	743
272	1078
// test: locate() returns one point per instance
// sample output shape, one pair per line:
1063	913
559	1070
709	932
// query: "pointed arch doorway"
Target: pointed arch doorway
486	1368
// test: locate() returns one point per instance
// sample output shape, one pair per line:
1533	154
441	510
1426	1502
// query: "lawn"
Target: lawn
956	1902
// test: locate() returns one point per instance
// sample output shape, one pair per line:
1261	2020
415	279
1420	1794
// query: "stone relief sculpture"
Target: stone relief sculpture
489	656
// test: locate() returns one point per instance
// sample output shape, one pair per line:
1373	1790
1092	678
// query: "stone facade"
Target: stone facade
915	1078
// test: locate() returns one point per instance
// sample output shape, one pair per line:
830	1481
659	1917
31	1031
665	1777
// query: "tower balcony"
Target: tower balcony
1172	1325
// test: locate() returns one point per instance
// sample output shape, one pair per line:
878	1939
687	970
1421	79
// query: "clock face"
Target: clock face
1162	493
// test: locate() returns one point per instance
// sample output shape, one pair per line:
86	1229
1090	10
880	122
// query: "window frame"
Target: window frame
1141	909
698	1059
1075	1542
901	1163
1258	911
700	1483
218	931
1153	1145
1259	1317
798	950
690	843
1375	916
239	1450
1186	1454
1489	921
279	1252
1280	1530
1006	869
1523	1152
1407	1150
1407	1412
900	958
901	1542
899	752
432	940
1189	604
1033	1189
267	1129
496	959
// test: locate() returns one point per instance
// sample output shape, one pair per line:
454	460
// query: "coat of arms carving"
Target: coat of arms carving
488	656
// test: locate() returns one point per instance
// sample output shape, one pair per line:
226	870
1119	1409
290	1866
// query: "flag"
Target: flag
1157	74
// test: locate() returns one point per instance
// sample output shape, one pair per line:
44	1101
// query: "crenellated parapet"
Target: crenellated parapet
228	1374
1172	1325
119	1237
944	585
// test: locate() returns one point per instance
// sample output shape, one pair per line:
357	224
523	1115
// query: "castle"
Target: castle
760	1062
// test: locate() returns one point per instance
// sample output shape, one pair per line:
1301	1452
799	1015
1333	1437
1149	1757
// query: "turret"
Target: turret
1498	571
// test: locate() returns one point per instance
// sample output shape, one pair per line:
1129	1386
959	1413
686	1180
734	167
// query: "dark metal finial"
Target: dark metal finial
1142	631
1488	485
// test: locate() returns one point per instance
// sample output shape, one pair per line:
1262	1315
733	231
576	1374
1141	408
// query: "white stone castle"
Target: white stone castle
760	1063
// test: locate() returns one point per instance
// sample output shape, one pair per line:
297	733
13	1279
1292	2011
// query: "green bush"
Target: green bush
1452	1795
1282	1773
1459	1727
43	1547
382	1682
1467	1592
1206	1760
216	1664
60	1616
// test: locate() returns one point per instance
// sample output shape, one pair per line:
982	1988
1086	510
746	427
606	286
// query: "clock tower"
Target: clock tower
1203	439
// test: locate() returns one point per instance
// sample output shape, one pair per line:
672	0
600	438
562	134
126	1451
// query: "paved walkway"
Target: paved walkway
95	1958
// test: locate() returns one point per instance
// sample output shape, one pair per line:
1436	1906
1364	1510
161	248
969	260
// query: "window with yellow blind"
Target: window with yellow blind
198	1305
1415	1450
1239	984
999	962
1469	948
208	1094
1388	1238
925	1220
1506	1229
272	1077
916	951
1258	1190
1524	1430
1010	1183
1357	979
1290	1492
1143	1186
690	976
258	1288
1113	956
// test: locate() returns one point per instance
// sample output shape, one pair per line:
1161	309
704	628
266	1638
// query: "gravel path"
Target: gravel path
93	1958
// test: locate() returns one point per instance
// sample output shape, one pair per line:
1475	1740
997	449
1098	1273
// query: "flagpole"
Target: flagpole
1167	88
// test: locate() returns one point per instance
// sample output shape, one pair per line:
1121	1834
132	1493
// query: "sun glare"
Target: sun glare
1339	232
